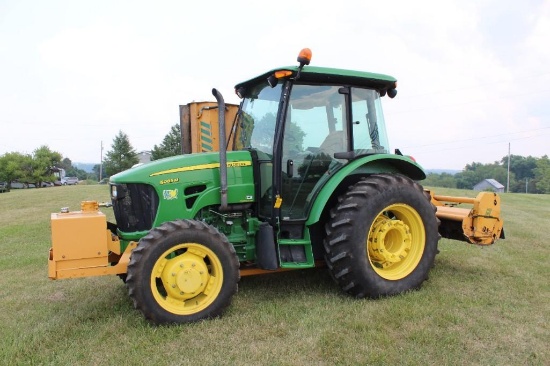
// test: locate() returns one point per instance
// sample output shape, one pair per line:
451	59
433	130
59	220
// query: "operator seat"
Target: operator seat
334	142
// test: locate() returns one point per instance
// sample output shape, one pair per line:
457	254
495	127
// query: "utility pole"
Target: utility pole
101	162
508	177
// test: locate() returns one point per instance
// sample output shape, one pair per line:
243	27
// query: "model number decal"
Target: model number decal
234	164
168	181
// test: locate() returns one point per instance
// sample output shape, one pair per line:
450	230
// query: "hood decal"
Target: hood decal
231	164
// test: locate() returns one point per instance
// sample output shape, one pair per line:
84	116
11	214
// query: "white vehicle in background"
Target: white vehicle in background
70	180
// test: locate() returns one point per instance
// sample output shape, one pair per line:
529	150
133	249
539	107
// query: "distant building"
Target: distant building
144	157
489	185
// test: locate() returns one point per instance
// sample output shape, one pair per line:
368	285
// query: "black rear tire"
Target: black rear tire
182	272
382	237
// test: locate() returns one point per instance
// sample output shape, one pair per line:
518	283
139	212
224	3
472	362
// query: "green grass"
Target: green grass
488	306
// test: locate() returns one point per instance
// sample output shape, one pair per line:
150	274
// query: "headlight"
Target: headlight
114	193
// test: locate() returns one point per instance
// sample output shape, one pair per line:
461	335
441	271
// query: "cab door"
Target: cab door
314	130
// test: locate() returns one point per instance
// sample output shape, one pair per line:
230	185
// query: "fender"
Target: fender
372	164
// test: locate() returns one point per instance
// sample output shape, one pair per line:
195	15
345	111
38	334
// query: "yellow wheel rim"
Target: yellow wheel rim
396	241
186	279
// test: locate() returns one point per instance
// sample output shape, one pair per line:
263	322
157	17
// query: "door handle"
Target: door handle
290	168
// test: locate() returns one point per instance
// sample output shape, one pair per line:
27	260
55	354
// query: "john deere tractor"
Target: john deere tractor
307	180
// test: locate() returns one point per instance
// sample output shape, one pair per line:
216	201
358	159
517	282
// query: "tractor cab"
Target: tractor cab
305	130
302	126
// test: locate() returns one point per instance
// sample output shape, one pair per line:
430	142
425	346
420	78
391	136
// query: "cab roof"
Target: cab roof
327	75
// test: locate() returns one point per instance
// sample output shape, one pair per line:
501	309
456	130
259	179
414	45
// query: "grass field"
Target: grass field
487	306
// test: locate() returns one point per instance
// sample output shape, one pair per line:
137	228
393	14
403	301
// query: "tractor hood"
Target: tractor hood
177	188
169	170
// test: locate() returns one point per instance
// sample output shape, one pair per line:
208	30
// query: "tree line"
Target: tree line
527	174
42	164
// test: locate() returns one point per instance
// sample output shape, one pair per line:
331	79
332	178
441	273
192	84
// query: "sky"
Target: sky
473	76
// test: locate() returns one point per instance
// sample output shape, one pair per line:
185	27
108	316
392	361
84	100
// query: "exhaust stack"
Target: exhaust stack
223	149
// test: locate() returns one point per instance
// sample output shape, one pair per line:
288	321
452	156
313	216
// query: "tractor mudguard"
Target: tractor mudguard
372	164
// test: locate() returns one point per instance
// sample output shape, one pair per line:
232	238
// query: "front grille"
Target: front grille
135	207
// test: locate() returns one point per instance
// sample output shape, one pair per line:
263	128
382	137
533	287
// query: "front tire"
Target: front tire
182	272
382	237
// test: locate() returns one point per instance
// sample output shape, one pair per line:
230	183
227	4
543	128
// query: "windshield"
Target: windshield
258	118
320	104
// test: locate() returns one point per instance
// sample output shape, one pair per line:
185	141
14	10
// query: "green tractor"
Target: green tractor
308	180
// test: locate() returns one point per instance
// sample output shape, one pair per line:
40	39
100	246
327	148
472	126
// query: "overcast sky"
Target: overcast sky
473	76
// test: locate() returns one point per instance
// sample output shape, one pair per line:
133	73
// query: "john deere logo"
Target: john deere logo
170	194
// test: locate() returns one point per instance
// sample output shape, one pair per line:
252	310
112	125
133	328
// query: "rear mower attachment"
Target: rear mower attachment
480	224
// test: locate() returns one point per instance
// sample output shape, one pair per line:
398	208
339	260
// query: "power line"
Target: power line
478	101
483	85
483	138
462	147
